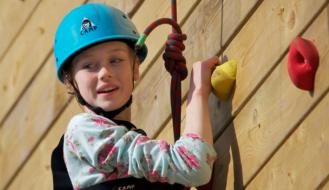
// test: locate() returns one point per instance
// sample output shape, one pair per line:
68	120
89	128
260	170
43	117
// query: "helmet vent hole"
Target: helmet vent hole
124	16
134	32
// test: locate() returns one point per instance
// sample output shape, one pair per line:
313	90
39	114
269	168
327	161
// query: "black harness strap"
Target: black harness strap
61	179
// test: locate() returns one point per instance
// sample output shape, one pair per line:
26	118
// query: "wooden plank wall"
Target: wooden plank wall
269	135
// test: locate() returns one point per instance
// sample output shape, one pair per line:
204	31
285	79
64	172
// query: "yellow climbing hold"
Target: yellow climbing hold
223	78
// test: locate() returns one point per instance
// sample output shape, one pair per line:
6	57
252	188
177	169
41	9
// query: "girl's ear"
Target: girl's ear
69	87
136	69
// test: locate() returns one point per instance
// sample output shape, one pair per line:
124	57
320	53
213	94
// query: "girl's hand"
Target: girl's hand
201	76
197	112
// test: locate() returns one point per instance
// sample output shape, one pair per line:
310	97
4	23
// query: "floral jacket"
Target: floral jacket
97	149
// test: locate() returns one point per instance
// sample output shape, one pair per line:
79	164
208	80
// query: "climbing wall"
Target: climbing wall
268	135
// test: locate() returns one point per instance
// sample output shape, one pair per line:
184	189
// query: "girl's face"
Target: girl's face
104	74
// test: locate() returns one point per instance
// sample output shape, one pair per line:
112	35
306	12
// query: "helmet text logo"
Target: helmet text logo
87	26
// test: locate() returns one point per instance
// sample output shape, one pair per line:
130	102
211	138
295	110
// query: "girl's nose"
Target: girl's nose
105	73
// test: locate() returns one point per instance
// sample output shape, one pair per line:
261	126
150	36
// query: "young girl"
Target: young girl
96	60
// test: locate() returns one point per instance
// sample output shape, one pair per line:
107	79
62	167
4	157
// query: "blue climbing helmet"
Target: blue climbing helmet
90	24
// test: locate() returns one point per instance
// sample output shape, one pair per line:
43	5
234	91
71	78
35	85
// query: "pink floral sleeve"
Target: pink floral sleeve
97	149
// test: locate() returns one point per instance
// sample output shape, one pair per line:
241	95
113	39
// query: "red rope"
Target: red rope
175	64
174	11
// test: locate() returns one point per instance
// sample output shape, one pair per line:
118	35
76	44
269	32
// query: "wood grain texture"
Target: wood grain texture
271	114
263	41
13	17
275	24
31	49
324	184
40	105
303	156
310	140
38	165
127	6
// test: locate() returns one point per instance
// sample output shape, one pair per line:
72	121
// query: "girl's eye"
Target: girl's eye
89	66
115	60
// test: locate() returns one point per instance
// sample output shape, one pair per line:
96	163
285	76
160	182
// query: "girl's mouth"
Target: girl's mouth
107	91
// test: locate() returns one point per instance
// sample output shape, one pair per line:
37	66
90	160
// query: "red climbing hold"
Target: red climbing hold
303	61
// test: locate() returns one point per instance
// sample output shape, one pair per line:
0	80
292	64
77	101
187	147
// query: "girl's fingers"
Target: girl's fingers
211	62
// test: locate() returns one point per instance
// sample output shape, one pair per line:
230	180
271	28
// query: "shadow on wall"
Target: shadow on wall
328	15
225	140
226	145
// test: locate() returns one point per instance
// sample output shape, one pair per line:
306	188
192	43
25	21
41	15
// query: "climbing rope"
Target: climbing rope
175	63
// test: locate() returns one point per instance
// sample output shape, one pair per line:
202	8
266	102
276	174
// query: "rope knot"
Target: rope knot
175	62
